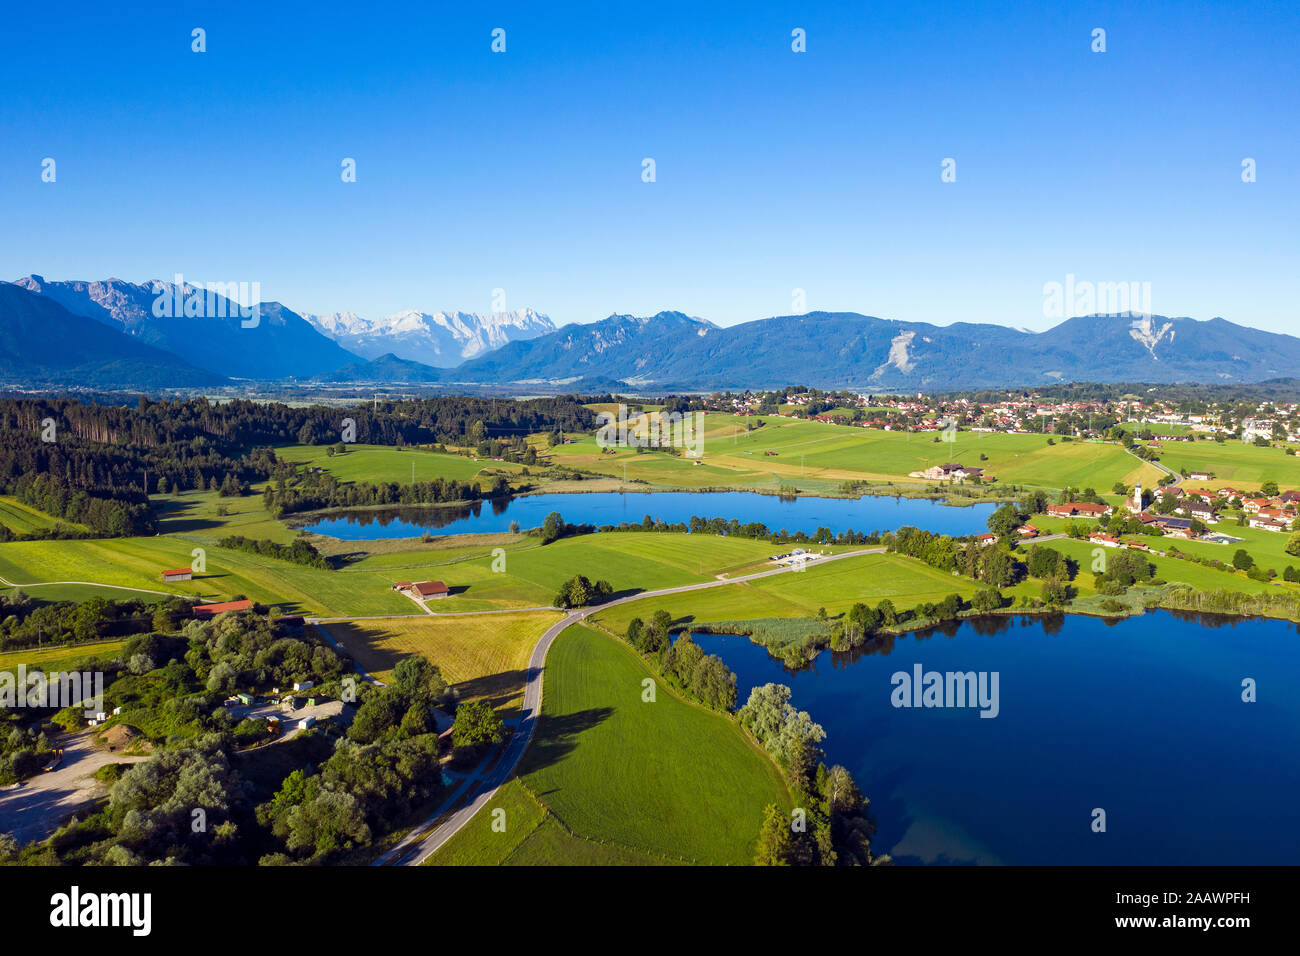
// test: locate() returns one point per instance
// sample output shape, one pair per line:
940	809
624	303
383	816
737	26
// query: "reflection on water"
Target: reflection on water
793	515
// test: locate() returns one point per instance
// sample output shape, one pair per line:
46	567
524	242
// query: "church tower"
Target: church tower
1137	497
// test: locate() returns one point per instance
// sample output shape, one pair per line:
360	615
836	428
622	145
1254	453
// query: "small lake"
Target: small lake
609	508
1143	718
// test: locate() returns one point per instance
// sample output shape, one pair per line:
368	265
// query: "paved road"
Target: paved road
415	848
1155	464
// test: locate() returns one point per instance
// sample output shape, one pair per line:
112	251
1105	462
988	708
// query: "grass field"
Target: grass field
531	836
835	586
1233	463
622	779
193	515
24	519
531	574
59	657
1170	569
380	463
482	656
137	563
817	456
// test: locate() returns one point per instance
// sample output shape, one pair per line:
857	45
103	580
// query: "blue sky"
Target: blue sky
775	170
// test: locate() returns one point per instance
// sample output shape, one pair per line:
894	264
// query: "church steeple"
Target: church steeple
1137	496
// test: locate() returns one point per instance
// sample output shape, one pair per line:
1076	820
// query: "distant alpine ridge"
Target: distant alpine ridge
147	335
440	339
672	351
275	344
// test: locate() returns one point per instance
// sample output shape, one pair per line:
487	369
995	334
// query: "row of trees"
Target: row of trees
313	491
299	551
705	677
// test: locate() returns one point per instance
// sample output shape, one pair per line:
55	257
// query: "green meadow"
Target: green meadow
382	463
523	574
611	778
1235	463
24	519
835	586
60	657
532	836
817	456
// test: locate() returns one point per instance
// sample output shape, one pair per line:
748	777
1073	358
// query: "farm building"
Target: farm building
204	611
426	590
178	574
949	472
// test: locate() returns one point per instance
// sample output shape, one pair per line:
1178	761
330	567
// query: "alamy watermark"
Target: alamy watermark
1073	298
922	688
683	430
56	690
213	300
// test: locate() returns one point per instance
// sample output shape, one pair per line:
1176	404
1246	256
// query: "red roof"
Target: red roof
431	587
179	571
210	610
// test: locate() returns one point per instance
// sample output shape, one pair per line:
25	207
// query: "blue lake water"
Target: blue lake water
605	508
1143	718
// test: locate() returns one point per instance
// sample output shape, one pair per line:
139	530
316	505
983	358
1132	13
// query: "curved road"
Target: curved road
414	849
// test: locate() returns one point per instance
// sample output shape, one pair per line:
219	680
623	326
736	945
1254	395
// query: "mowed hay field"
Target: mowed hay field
380	463
836	586
665	779
482	656
530	574
816	456
138	563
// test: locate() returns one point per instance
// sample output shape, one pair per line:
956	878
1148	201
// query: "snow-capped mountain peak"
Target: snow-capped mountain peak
443	339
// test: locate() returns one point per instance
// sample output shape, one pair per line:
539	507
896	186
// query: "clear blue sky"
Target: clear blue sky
775	170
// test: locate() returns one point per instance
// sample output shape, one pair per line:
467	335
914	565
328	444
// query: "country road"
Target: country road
414	849
1155	464
94	584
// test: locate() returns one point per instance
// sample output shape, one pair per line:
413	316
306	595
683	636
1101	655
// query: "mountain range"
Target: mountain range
440	339
52	331
279	344
673	351
43	344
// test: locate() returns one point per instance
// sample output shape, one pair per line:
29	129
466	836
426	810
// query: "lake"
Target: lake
1143	718
606	508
